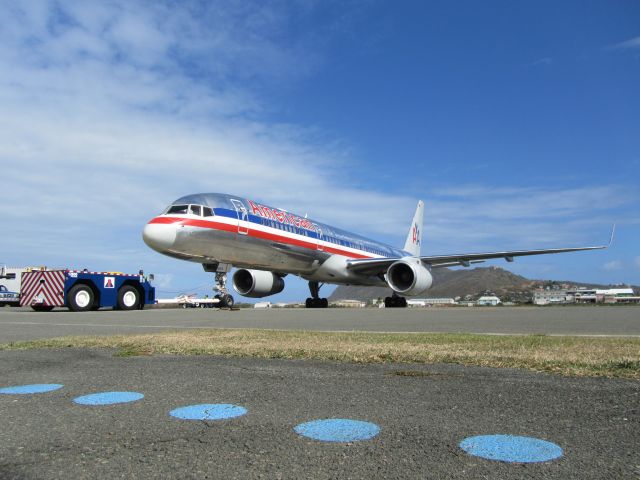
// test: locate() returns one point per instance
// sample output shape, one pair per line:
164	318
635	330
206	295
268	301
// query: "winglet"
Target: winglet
414	238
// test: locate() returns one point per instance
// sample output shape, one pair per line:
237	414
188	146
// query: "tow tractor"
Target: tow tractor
82	290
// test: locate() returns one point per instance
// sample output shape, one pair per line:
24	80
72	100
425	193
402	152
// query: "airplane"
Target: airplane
266	244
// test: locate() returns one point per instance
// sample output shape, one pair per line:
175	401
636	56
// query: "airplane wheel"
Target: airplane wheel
395	302
316	303
226	301
229	301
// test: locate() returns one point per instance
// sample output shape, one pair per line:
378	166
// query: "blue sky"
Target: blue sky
516	122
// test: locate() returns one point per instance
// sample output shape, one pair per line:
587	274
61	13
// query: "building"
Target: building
617	295
585	295
552	297
609	295
428	302
262	305
488	300
349	303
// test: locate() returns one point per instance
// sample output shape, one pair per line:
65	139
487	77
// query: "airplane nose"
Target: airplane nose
159	236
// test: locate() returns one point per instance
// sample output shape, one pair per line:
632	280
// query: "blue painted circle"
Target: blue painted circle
338	430
108	398
28	389
510	448
208	411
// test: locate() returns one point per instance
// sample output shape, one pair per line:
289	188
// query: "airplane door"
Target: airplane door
319	244
243	217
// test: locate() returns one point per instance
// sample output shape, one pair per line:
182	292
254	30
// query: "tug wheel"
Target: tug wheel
128	298
81	298
42	308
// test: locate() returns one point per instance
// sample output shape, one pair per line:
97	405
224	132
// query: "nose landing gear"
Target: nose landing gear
220	269
315	301
226	300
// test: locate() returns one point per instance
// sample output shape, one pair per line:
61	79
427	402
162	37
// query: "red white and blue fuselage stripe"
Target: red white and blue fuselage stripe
274	225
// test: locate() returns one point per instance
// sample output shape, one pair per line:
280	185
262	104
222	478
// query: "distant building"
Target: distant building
349	303
262	305
425	302
488	300
610	295
585	295
552	297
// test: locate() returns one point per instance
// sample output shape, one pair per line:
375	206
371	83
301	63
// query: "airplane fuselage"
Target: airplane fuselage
226	229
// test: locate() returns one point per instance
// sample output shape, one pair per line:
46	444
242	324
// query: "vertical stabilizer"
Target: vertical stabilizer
414	238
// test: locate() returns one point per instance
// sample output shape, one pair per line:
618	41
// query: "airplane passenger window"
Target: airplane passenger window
195	210
179	209
207	211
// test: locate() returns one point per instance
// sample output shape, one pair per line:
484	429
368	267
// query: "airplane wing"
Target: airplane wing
374	266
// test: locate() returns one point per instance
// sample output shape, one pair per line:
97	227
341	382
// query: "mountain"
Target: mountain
463	282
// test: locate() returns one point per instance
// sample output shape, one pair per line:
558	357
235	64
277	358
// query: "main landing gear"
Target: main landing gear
226	300
395	301
315	301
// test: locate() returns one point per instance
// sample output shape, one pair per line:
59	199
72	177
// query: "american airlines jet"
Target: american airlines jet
266	244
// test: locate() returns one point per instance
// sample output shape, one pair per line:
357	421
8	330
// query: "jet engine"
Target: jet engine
409	277
257	283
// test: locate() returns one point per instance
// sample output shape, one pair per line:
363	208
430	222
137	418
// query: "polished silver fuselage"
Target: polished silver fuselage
245	234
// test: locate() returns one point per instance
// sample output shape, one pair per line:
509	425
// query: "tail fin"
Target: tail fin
414	239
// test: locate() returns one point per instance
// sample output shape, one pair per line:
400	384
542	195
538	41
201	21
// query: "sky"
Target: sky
516	122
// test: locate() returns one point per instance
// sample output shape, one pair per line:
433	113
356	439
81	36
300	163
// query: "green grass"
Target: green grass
575	356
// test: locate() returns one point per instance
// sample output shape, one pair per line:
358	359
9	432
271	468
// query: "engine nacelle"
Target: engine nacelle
257	283
409	277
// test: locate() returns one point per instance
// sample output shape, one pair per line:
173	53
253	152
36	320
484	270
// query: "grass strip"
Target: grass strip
572	356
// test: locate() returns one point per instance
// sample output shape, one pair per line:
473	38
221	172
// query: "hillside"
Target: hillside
460	283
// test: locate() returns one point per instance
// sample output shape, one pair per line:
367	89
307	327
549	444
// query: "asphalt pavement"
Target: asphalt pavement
24	324
423	413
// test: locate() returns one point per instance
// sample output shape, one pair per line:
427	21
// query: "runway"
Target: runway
422	415
25	324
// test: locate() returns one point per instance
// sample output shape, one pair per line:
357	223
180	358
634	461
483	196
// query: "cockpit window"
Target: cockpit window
179	209
198	210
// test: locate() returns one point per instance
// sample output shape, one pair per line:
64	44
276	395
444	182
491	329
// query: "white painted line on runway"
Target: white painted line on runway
100	325
214	327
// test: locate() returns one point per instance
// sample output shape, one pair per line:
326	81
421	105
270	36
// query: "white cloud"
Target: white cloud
510	217
163	281
112	110
627	44
545	61
612	266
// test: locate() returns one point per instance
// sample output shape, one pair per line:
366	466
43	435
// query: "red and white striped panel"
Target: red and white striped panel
43	288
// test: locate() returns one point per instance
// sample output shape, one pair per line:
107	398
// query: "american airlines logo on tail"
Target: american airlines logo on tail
416	235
